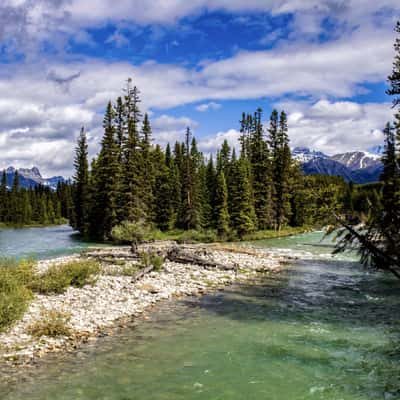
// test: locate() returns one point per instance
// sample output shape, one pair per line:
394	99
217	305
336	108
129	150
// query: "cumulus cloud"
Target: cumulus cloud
208	106
45	101
336	127
169	129
212	143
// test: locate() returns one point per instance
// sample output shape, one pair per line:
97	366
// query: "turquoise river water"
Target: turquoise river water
40	243
324	328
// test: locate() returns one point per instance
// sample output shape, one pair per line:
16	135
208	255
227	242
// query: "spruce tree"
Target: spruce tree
191	185
132	184
81	185
163	199
394	78
261	174
221	205
242	203
106	182
148	168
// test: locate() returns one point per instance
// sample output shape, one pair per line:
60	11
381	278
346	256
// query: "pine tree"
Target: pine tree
394	78
106	182
148	168
132	184
175	186
391	183
221	205
81	185
163	210
242	203
281	168
191	185
209	208
261	174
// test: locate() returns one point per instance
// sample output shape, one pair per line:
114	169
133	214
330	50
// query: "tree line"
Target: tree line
34	206
233	193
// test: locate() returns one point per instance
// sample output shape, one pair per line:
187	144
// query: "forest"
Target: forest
254	186
34	206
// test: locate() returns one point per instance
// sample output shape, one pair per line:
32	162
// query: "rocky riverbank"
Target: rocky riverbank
116	297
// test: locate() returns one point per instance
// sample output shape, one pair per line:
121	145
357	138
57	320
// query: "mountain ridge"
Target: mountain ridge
31	178
355	166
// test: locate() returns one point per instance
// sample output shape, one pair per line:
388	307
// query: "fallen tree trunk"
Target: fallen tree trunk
179	256
142	273
102	256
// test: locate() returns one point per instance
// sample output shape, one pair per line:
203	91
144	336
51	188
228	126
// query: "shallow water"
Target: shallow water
322	329
40	243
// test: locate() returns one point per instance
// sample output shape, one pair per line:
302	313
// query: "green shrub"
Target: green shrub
152	259
193	236
14	295
59	277
157	262
52	323
129	232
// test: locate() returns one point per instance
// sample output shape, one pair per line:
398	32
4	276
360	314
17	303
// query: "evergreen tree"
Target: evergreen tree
221	205
81	185
106	181
148	169
243	213
191	195
164	210
394	78
132	185
261	174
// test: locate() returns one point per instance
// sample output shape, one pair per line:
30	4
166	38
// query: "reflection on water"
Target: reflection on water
323	329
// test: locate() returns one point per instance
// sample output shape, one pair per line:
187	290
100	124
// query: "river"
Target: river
40	243
322	329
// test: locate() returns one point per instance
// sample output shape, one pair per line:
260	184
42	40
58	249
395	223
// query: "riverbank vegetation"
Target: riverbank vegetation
19	282
39	206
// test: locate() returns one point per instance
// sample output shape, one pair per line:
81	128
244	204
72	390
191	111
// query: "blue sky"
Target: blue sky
198	64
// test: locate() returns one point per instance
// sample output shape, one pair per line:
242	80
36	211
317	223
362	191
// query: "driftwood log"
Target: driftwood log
180	256
103	256
142	273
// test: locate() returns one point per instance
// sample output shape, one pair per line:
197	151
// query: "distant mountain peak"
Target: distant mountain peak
31	178
356	166
304	154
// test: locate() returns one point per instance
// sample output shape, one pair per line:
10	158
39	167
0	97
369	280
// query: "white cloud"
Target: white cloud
208	106
336	127
44	102
118	39
169	129
212	143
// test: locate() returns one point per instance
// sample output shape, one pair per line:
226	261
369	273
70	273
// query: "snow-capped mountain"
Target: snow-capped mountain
358	159
31	178
356	166
304	154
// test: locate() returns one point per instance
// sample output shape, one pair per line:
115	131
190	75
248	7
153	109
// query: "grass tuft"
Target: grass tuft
53	323
59	277
14	295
